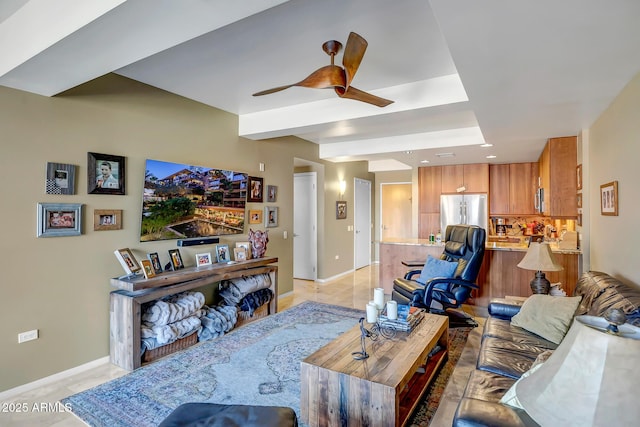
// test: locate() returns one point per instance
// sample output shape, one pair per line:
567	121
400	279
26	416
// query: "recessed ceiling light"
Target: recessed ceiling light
491	156
445	155
408	152
486	145
424	161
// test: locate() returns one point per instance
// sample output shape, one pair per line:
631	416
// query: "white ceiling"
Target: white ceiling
461	72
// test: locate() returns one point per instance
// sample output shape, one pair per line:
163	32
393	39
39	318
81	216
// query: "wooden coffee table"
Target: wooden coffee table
382	390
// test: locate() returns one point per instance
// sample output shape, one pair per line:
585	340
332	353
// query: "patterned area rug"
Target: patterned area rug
255	364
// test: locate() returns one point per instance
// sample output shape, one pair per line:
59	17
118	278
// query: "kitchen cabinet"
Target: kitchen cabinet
512	188
429	187
558	163
474	177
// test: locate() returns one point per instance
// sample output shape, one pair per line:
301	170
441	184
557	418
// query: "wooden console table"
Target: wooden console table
126	302
382	390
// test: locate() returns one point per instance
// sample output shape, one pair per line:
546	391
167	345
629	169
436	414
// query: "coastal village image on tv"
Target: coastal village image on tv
182	201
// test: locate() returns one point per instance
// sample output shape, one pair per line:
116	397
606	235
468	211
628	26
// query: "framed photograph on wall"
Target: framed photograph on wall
579	199
203	259
272	193
341	209
270	216
609	198
105	174
255	217
107	219
255	189
59	219
61	179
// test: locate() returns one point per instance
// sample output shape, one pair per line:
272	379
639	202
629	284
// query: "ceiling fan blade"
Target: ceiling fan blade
329	76
353	53
360	95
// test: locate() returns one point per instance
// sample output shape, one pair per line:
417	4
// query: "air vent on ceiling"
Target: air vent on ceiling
445	155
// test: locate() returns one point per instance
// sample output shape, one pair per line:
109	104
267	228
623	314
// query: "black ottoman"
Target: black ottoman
216	415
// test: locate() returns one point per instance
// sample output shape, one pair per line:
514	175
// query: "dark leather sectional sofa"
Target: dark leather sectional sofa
508	351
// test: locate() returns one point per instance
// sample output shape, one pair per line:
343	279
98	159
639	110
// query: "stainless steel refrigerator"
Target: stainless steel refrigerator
471	209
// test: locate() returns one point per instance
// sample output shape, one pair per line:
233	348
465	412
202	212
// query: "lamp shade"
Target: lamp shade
591	379
539	258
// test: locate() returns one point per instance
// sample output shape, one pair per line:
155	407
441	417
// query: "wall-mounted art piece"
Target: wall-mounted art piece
341	209
609	198
579	177
105	174
255	217
59	219
272	193
107	219
270	216
61	179
255	190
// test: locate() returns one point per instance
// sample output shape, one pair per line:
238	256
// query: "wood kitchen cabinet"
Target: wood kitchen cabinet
429	187
512	188
558	163
474	177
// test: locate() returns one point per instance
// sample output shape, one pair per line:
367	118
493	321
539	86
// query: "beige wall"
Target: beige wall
614	150
61	285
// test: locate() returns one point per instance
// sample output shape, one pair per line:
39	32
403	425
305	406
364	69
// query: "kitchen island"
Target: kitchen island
499	275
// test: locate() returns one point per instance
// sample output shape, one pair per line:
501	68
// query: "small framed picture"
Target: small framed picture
155	262
59	219
609	198
61	179
147	268
255	189
127	261
240	254
247	248
222	253
579	200
176	259
272	193
203	259
270	216
341	209
255	217
105	174
107	219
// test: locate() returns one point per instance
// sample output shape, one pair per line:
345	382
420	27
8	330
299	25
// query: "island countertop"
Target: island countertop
491	246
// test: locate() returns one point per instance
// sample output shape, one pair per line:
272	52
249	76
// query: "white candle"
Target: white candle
372	313
392	310
378	297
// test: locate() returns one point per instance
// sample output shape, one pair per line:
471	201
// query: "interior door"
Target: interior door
362	223
305	227
395	209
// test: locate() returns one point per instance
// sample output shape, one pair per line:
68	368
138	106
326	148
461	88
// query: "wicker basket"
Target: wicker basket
181	344
258	313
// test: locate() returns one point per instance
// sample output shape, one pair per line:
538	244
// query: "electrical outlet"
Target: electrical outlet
27	336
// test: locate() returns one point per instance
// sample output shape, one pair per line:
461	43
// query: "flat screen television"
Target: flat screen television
183	201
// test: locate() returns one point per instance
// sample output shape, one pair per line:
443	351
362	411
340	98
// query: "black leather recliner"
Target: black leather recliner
464	244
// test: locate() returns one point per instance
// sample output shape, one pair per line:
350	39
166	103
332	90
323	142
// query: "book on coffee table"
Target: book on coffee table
408	317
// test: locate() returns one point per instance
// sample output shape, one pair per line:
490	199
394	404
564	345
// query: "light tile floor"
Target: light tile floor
351	290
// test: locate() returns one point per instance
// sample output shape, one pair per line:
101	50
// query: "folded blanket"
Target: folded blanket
216	321
235	289
255	299
173	308
166	334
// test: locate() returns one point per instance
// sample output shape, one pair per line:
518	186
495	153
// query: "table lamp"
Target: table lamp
539	259
591	379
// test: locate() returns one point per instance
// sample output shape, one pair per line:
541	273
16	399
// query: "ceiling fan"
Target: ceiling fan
336	77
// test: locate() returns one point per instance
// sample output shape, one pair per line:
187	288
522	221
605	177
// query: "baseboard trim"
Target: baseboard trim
8	394
337	276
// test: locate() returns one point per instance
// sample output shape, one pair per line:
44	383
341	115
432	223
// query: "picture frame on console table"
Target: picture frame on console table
128	262
59	219
203	259
105	174
176	259
609	198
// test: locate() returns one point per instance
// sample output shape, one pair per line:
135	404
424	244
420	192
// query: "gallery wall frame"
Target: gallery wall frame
609	198
105	174
255	216
341	209
60	178
579	177
107	219
272	193
59	219
270	216
256	188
